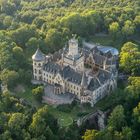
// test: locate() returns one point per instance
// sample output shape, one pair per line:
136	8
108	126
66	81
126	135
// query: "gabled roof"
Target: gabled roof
94	84
38	56
67	72
98	59
103	76
71	75
51	67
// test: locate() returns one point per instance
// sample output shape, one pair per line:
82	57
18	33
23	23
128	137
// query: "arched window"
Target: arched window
39	64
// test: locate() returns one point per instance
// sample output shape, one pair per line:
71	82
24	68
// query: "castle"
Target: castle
88	73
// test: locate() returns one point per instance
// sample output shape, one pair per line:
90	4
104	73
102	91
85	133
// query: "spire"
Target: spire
84	80
38	56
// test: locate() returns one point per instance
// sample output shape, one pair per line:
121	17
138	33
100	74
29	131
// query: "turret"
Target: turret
38	62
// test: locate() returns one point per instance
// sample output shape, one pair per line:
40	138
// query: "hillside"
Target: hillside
26	25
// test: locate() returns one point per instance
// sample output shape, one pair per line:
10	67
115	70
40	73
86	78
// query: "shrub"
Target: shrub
38	92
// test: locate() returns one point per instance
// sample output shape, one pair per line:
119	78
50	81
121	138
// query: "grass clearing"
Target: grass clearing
28	96
64	119
106	40
103	40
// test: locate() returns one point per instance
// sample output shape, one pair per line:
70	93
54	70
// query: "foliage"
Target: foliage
117	118
67	107
130	58
38	93
27	24
9	78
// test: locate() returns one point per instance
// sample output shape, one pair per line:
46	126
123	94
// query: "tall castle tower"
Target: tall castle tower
73	57
73	47
38	62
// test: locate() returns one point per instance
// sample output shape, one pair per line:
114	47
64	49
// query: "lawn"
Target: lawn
103	40
66	119
106	40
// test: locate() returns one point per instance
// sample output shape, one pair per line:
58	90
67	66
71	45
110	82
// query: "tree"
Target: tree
133	87
38	92
75	23
137	23
93	22
6	136
8	7
117	118
6	57
40	122
16	123
128	28
9	77
129	58
126	133
90	135
54	40
18	52
7	21
114	30
23	34
32	45
136	120
39	21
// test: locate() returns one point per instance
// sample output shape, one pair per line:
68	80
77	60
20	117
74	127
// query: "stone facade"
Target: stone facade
69	75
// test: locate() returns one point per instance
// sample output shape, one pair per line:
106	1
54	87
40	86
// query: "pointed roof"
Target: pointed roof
84	80
38	56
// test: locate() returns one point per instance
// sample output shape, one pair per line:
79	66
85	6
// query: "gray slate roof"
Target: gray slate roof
94	84
67	72
38	56
103	76
71	75
52	68
99	59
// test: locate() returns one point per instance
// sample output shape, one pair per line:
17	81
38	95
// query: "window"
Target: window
35	71
40	78
39	71
39	64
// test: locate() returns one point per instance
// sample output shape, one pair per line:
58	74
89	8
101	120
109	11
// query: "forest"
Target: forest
26	25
